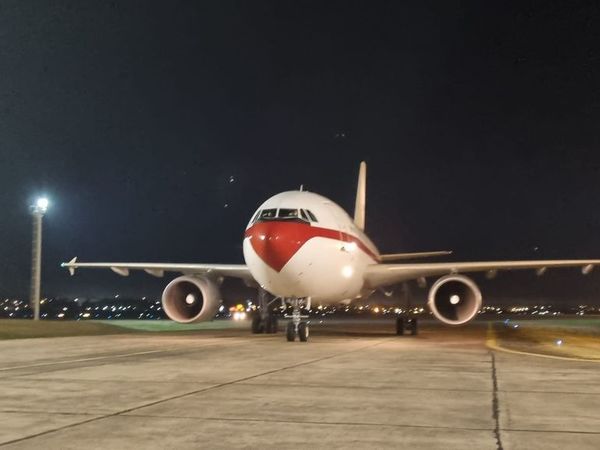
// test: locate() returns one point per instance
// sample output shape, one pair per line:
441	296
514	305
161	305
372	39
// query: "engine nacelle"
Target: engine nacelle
189	299
454	299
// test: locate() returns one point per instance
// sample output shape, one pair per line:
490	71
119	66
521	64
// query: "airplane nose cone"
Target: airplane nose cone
277	242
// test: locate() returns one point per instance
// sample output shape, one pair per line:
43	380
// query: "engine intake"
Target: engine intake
454	299
189	299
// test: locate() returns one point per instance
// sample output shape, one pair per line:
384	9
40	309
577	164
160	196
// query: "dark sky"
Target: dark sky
479	121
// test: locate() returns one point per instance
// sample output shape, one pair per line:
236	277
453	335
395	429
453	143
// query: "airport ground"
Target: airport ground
354	385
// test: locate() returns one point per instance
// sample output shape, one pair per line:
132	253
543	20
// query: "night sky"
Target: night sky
480	122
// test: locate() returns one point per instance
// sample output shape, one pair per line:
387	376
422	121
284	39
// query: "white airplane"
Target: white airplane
302	247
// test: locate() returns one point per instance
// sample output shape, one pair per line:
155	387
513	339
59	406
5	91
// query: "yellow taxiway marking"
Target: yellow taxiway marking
491	342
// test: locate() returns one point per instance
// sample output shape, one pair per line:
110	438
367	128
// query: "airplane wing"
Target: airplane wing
158	269
417	255
385	274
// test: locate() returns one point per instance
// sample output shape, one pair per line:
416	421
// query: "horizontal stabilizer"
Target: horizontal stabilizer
71	265
417	255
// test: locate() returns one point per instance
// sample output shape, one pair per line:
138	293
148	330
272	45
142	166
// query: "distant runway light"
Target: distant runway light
559	342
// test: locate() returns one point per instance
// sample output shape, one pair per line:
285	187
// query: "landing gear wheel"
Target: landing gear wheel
290	332
414	327
303	331
399	326
257	325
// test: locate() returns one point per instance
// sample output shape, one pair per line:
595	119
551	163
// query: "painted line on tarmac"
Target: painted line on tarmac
492	343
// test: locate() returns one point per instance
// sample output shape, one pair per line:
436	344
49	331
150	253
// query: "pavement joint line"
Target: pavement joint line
212	383
187	394
311	422
495	404
492	343
32	377
59	413
519	430
374	388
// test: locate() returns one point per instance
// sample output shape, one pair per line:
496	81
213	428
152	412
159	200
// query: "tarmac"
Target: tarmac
351	386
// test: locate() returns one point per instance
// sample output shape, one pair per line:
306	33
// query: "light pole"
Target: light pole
38	210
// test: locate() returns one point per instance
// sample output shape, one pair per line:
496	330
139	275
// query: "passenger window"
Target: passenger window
311	215
287	213
268	214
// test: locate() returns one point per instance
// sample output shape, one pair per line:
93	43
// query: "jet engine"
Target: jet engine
189	299
454	299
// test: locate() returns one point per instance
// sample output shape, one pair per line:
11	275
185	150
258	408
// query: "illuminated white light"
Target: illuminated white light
454	299
347	271
190	299
559	342
42	203
238	315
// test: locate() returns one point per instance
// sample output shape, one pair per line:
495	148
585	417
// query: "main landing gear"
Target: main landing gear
296	326
268	324
410	325
263	319
405	322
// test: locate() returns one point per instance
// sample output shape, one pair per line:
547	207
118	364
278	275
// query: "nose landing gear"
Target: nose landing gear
296	326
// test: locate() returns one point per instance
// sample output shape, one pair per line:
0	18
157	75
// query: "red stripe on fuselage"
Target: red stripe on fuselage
276	242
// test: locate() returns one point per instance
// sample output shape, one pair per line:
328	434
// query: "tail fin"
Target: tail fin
361	193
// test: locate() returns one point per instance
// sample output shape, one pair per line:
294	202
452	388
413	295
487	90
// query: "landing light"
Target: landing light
454	299
347	271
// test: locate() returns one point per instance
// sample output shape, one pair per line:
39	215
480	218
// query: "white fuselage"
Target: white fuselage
300	244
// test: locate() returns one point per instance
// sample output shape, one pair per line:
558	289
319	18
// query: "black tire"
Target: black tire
399	326
290	332
257	325
414	327
303	331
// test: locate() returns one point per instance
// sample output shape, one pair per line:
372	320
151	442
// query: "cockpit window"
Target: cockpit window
268	214
255	218
311	215
287	213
